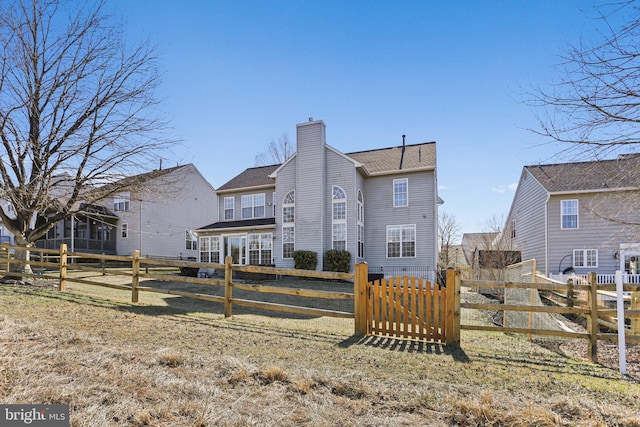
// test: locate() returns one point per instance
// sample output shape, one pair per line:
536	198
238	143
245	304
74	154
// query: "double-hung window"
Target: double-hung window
252	206
121	202
360	225
585	258
288	225
569	214
191	240
339	217
228	208
260	248
210	249
401	241
400	192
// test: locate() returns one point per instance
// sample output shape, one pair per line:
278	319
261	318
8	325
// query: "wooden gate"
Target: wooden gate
408	307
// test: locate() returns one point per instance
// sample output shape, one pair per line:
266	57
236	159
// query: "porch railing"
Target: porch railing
92	245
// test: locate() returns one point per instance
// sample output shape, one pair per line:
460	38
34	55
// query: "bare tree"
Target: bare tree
277	152
595	107
76	111
593	111
448	234
495	250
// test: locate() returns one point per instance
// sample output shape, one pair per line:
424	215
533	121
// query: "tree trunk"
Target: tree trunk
22	255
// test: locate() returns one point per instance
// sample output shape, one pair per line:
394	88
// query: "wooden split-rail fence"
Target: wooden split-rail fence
397	307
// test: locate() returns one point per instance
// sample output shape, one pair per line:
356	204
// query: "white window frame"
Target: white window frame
229	206
265	243
190	240
124	230
273	201
122	202
397	193
360	225
250	205
401	229
585	257
289	227
564	207
339	218
209	245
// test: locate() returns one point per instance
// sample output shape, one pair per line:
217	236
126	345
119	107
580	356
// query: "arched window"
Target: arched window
339	208
288	224
360	221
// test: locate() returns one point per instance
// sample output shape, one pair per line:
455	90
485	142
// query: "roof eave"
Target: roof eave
254	187
238	228
599	190
401	171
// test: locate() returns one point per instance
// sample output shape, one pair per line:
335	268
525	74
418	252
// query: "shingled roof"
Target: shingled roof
252	177
620	173
388	160
376	162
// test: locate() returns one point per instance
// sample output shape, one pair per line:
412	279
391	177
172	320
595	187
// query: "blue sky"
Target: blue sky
237	74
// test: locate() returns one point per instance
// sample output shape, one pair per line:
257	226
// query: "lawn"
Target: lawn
172	361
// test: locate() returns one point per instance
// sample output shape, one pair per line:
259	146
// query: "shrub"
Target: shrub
339	261
305	260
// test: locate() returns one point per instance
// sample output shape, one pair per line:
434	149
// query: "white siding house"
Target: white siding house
381	205
156	216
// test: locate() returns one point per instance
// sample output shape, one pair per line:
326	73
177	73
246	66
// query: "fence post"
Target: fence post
635	305
360	280
228	273
592	323
63	268
570	292
104	265
135	275
456	308
453	313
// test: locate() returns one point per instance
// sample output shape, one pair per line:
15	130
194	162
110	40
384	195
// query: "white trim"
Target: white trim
562	215
339	221
406	180
224	208
291	225
415	241
584	258
253	196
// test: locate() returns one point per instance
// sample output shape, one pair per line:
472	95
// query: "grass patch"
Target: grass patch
165	364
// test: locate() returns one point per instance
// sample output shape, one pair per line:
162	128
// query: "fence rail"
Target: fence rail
148	268
583	296
587	306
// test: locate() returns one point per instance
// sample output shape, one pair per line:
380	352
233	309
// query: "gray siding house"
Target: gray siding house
578	217
380	205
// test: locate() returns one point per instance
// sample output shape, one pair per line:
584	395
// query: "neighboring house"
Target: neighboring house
380	205
5	235
579	216
156	216
487	255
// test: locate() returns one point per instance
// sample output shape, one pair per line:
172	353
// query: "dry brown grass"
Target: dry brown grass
161	364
